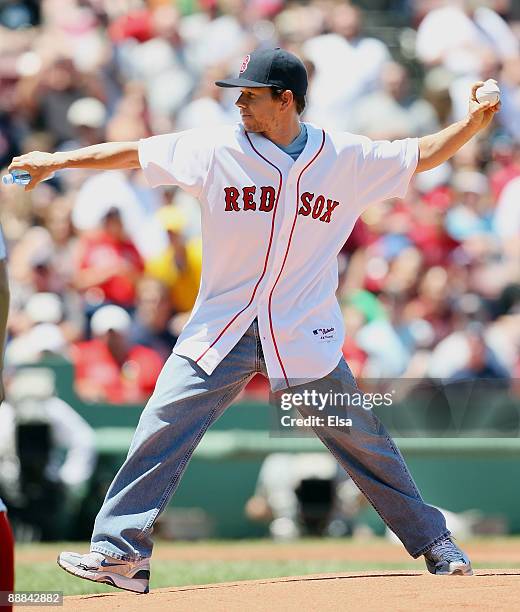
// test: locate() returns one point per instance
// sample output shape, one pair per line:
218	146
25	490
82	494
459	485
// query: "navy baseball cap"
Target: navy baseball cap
271	68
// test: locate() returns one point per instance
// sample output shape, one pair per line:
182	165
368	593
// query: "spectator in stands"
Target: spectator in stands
88	116
330	98
161	62
109	368
49	102
391	112
456	34
468	354
35	269
108	264
136	205
152	324
179	266
469	215
33	265
480	362
59	225
41	328
505	163
208	107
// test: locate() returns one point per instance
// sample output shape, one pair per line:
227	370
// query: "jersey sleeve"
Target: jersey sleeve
385	169
181	159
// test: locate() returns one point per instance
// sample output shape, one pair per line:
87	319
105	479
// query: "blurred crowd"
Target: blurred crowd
105	270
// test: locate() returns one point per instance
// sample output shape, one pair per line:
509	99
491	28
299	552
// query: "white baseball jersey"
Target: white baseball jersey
272	228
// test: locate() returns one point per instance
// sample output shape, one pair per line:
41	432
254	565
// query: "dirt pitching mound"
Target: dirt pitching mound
389	591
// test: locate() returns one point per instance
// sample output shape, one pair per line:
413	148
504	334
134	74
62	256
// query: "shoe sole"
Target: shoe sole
457	570
115	580
462	571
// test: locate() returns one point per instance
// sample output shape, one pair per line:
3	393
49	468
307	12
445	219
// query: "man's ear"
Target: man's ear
287	98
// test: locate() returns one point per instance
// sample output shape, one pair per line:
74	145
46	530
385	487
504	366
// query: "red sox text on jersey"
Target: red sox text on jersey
319	207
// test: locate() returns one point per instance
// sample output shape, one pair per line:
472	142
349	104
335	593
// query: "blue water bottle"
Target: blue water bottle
19	177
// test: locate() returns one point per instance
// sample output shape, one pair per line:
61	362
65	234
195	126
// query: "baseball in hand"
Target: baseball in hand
489	92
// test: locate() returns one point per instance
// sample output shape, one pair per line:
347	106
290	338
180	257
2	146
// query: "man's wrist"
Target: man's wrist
471	125
59	160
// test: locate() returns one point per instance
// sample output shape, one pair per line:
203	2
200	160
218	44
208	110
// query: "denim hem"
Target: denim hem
426	548
114	555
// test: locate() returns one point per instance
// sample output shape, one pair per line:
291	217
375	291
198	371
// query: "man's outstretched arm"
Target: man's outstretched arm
105	156
438	148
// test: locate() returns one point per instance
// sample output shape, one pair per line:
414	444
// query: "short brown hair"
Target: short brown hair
299	101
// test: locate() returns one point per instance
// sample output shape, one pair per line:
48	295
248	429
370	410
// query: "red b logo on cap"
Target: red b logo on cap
244	64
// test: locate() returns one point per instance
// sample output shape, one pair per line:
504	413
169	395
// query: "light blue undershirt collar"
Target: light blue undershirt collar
297	145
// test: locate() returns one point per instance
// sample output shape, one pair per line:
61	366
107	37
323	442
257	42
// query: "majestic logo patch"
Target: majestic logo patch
244	64
325	333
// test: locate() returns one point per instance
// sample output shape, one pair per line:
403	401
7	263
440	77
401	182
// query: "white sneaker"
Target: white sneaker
446	559
128	575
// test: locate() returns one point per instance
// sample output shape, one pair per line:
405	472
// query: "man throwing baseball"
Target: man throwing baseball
278	198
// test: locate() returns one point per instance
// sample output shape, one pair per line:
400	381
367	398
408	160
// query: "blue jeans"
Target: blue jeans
185	403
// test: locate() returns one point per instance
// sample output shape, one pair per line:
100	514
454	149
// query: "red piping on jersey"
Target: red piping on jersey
266	255
287	253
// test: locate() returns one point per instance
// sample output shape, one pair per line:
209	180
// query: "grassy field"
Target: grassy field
49	577
180	564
